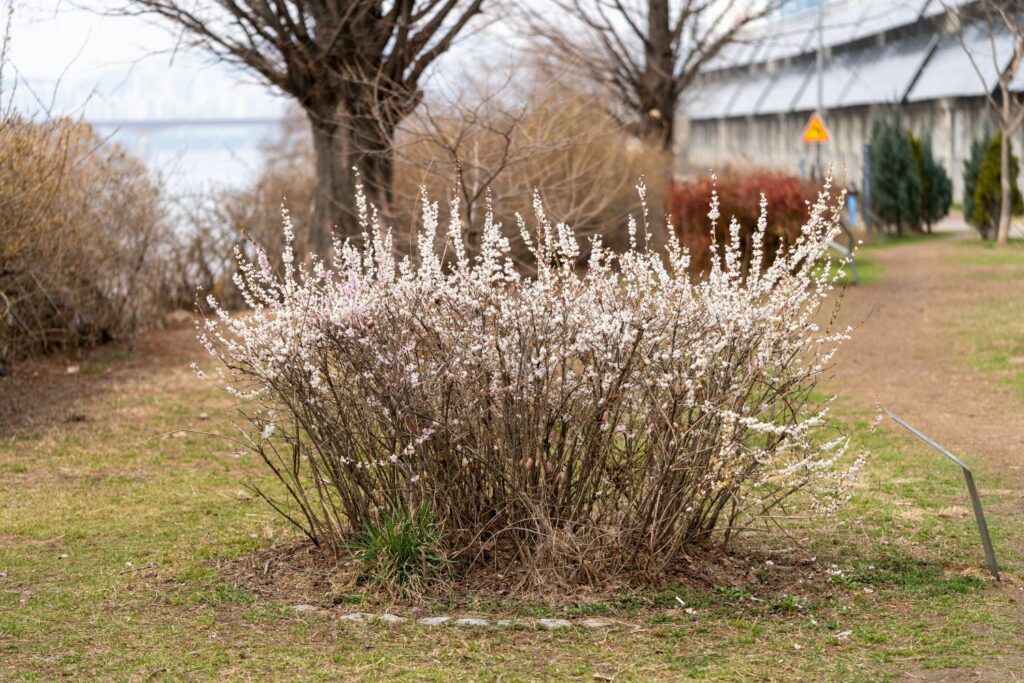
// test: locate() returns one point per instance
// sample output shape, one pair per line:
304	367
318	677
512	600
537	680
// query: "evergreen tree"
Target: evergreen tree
972	167
987	191
936	187
896	187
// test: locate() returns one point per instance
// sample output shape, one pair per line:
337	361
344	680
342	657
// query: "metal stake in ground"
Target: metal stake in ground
979	514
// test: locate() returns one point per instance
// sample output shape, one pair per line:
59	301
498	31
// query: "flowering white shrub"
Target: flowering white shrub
585	423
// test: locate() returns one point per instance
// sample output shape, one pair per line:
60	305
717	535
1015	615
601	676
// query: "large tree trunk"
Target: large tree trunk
658	111
344	143
334	195
372	141
658	98
1006	197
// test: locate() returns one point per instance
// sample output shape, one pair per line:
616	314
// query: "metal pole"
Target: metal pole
821	83
865	190
972	490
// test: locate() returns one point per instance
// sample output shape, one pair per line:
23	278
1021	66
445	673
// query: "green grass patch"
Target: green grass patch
987	255
113	548
992	330
400	552
869	270
913	238
994	334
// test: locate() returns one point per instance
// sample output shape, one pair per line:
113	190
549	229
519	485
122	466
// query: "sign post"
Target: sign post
972	491
815	133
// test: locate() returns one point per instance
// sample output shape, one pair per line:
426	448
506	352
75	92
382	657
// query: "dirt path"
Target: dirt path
908	356
63	388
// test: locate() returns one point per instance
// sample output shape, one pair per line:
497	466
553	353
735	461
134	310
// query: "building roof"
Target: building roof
798	34
886	76
949	72
837	75
749	94
882	17
711	99
784	90
906	66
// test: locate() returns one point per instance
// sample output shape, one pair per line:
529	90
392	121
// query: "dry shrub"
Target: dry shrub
83	241
739	195
564	146
573	425
567	148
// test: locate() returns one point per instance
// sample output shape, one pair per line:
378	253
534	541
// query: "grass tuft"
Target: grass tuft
401	552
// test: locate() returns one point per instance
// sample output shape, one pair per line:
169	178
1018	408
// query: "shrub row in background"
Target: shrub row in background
91	249
739	196
83	243
982	192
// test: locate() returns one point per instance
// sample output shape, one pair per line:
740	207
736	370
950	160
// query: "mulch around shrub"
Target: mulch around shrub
297	572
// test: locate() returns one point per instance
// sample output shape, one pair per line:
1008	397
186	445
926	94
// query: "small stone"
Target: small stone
73	369
469	621
552	624
393	619
594	623
306	608
355	616
180	435
434	621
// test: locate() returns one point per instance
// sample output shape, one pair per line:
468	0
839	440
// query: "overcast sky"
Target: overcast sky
80	62
127	67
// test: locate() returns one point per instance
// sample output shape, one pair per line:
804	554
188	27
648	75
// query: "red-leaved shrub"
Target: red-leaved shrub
740	197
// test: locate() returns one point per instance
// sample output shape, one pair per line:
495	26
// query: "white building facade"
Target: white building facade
904	59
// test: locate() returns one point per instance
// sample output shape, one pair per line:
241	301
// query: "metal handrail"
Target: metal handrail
972	490
847	252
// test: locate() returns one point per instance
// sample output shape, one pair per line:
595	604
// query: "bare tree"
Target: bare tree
354	66
1002	20
492	147
645	52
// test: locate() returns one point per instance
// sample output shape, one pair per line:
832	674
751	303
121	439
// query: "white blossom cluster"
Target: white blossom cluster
596	417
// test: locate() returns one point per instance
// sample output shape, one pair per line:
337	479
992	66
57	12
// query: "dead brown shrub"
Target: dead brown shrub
83	242
566	147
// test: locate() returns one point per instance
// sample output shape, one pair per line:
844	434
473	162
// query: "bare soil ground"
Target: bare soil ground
63	387
906	354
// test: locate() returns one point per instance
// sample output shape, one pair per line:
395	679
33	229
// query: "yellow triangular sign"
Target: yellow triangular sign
816	132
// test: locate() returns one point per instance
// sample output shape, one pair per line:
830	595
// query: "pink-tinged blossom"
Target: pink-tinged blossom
626	402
